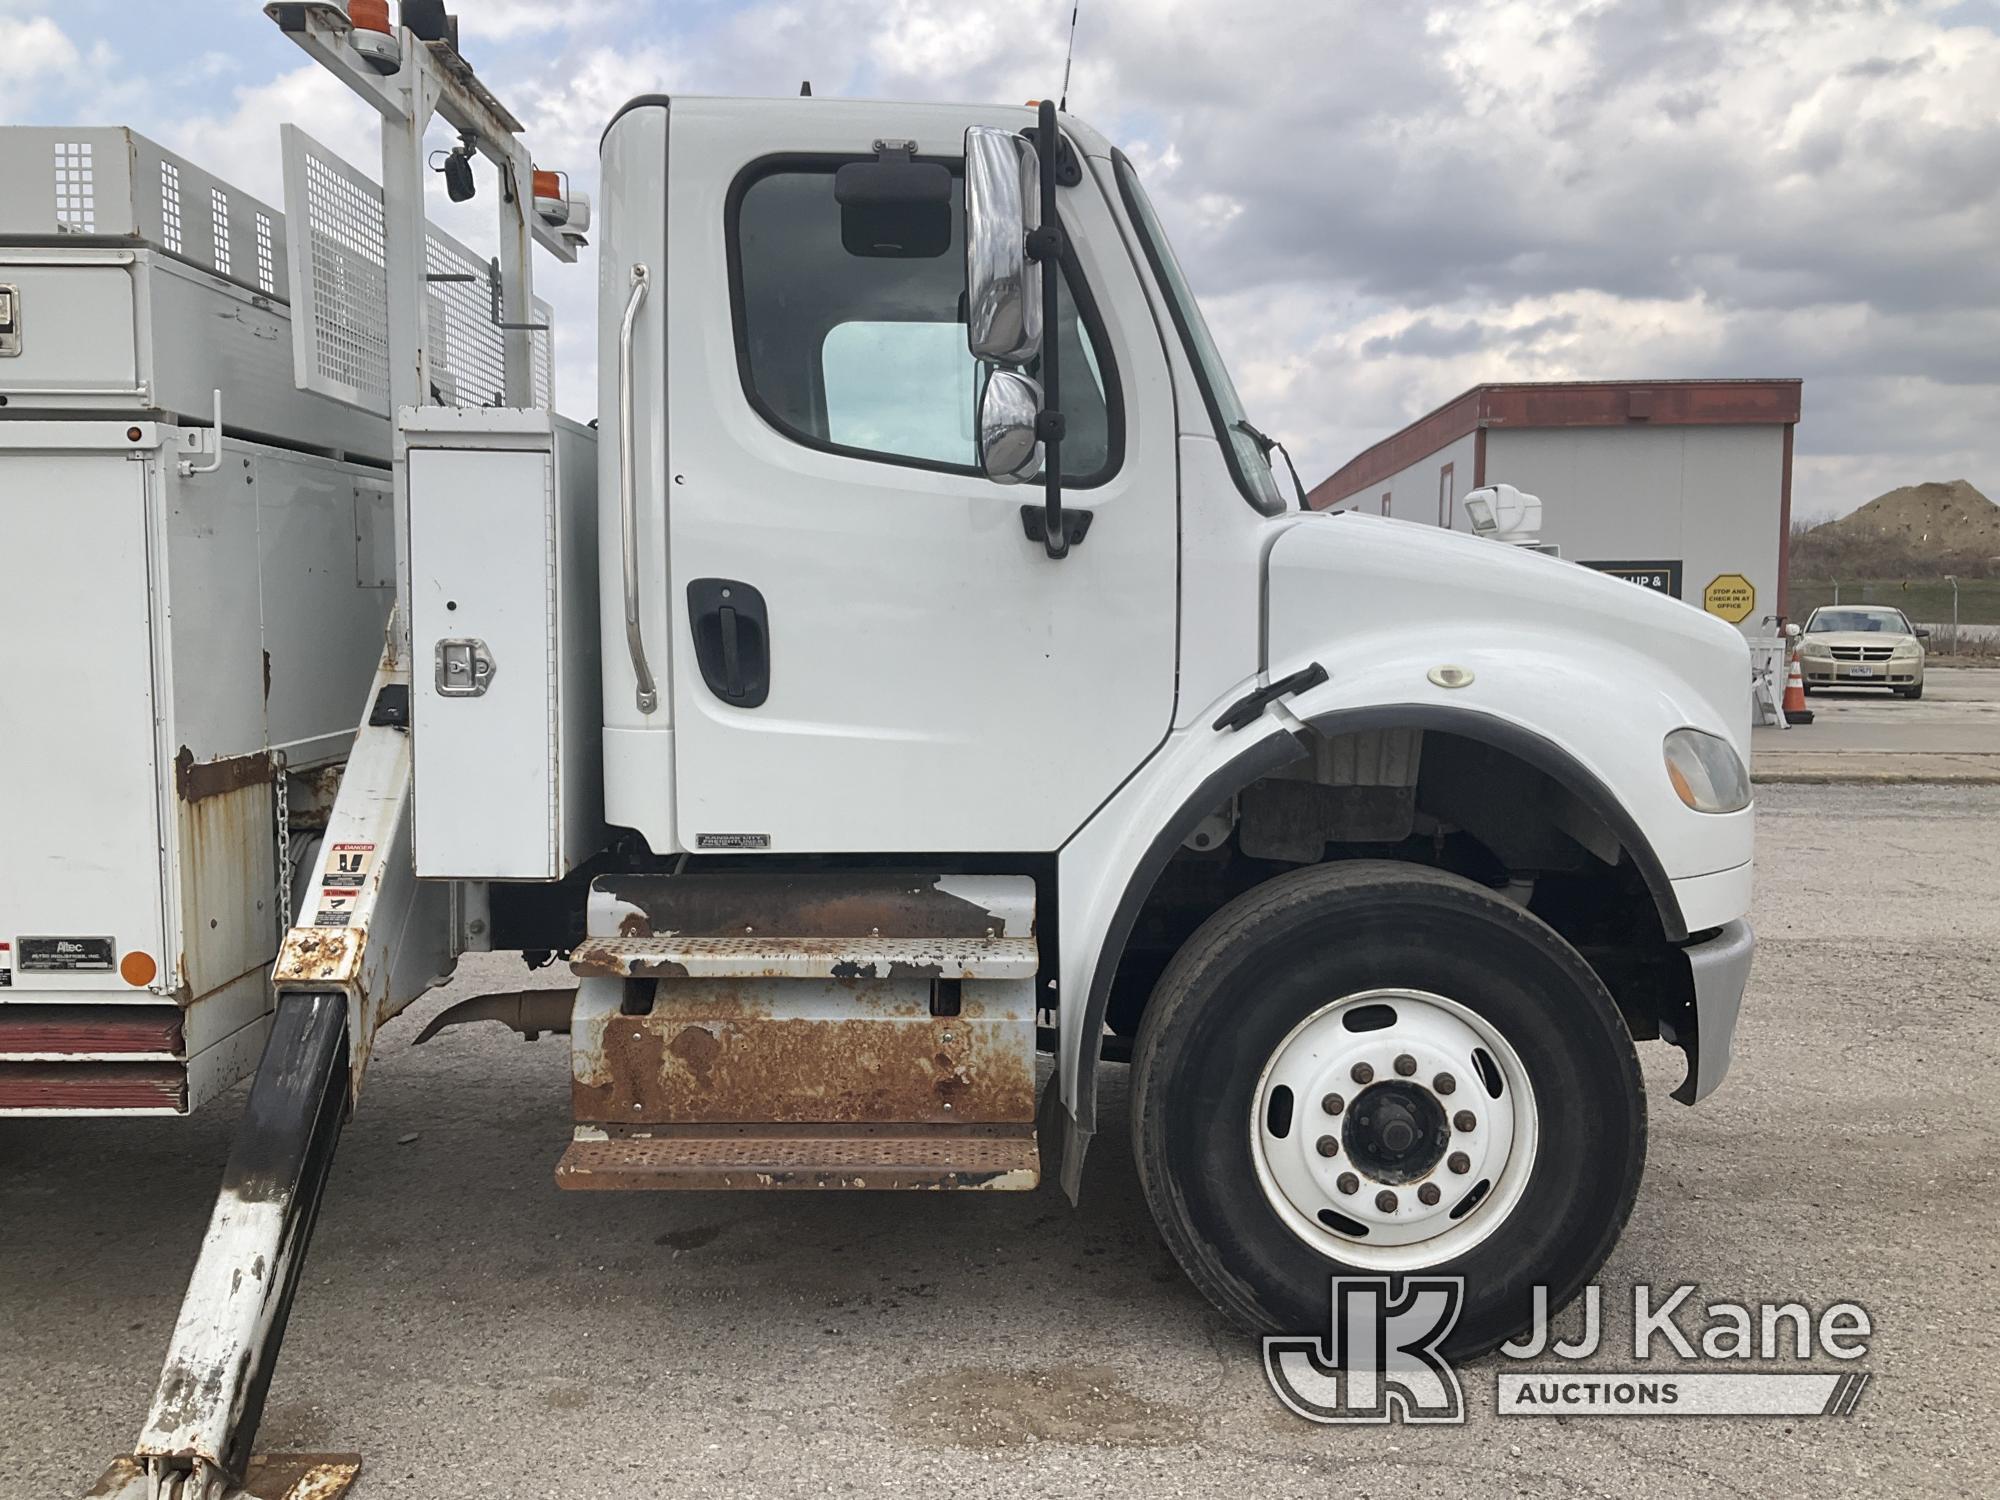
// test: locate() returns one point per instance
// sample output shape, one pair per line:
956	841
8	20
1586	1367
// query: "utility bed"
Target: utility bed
189	621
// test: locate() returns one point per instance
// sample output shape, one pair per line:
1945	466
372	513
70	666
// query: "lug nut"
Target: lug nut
1333	1104
1428	1195
1348	1183
1406	1065
1362	1073
1465	1119
1444	1083
1326	1145
1459	1162
1386	1202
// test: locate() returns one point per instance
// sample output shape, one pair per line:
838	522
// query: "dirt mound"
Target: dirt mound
1918	530
1948	517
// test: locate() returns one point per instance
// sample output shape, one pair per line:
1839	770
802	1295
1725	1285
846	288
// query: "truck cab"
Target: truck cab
835	634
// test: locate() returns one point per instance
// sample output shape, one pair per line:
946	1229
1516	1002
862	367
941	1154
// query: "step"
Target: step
777	957
996	1159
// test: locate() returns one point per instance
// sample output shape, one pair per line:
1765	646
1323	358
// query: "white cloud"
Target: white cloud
1381	204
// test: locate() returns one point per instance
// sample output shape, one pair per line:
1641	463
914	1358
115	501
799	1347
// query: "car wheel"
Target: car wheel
1377	1068
1914	692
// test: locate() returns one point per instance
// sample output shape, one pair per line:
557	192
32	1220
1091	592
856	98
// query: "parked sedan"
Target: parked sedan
1864	645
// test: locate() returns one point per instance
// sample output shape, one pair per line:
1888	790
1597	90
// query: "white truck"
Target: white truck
927	670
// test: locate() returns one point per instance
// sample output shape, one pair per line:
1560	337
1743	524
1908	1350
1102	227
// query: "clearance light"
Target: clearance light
138	969
373	37
558	206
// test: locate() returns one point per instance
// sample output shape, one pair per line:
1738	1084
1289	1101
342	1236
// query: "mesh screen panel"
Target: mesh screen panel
339	295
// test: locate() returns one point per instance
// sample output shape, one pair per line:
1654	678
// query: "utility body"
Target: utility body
920	668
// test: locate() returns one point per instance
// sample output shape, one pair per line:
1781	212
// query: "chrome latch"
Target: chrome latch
464	668
10	321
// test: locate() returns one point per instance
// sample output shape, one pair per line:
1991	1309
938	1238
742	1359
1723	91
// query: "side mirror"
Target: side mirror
1003	287
1923	632
1009	449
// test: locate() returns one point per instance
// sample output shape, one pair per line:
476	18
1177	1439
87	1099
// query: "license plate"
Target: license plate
1860	671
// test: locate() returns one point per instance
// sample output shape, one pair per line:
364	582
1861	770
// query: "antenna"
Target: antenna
1070	55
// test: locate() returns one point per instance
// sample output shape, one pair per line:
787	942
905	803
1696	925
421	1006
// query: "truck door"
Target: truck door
869	654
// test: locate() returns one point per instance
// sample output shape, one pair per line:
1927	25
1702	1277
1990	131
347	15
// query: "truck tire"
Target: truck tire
1357	1018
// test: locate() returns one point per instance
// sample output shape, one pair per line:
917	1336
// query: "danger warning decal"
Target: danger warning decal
346	872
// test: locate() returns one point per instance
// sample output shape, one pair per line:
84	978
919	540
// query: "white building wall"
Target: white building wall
1706	497
1416	490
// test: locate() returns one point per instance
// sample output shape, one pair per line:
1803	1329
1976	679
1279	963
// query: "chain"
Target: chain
284	791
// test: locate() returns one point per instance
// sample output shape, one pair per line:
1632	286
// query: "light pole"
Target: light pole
1952	579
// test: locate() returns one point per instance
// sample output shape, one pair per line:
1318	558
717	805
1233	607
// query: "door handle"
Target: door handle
628	505
732	640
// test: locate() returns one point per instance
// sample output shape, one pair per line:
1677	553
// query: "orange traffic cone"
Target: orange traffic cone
1796	711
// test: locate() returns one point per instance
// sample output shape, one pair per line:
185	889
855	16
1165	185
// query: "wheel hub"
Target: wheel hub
1396	1132
1394	1129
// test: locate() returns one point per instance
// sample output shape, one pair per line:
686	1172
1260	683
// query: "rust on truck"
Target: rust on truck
752	1158
719	1051
802	906
321	956
198	780
792	957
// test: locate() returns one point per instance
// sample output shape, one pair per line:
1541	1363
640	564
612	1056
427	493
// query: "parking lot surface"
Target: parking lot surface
473	1332
1952	732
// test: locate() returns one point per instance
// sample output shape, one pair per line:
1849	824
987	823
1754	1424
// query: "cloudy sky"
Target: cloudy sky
1380	203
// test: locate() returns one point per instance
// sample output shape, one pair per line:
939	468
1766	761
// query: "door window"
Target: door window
865	354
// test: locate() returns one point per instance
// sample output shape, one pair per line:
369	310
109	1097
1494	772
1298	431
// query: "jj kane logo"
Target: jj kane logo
1380	1358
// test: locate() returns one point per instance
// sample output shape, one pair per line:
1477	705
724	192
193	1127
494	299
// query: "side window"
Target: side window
865	354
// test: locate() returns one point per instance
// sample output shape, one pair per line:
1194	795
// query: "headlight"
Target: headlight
1818	648
1907	648
1706	771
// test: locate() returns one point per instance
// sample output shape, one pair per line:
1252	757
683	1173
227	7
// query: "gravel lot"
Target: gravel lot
475	1333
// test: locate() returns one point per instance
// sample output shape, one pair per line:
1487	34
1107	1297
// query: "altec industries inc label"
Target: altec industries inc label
61	955
345	873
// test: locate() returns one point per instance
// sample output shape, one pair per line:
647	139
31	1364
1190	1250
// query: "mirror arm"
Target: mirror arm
1046	246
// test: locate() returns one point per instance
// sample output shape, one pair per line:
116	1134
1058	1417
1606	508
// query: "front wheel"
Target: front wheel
1376	1068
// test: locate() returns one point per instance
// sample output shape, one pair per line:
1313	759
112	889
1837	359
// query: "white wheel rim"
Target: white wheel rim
1430	1056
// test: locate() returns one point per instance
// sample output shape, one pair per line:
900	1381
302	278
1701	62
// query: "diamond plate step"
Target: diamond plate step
805	958
998	1159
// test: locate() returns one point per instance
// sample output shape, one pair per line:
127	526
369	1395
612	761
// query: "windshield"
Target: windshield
1889	620
1247	462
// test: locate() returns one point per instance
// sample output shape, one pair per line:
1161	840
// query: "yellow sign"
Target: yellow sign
1730	597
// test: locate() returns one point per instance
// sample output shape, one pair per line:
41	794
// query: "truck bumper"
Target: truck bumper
1720	967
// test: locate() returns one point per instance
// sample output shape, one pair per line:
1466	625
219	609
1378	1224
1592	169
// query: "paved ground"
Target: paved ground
1951	733
475	1333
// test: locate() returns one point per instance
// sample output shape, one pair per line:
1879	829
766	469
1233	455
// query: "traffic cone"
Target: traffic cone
1796	711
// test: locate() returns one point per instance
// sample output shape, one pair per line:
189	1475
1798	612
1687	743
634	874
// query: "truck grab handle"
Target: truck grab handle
628	512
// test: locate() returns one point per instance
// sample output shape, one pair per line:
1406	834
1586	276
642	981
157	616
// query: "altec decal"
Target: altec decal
67	954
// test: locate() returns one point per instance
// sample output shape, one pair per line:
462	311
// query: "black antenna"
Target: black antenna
1070	56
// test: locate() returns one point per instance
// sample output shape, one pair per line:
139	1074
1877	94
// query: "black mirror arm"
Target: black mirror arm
1265	443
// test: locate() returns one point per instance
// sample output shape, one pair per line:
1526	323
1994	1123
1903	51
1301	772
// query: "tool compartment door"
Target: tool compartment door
79	811
915	674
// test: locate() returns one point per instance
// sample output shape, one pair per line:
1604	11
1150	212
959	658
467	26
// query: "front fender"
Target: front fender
1591	715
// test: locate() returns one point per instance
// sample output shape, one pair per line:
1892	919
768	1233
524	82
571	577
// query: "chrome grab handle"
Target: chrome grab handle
628	512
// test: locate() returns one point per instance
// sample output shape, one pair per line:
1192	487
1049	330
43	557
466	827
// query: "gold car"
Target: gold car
1864	645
